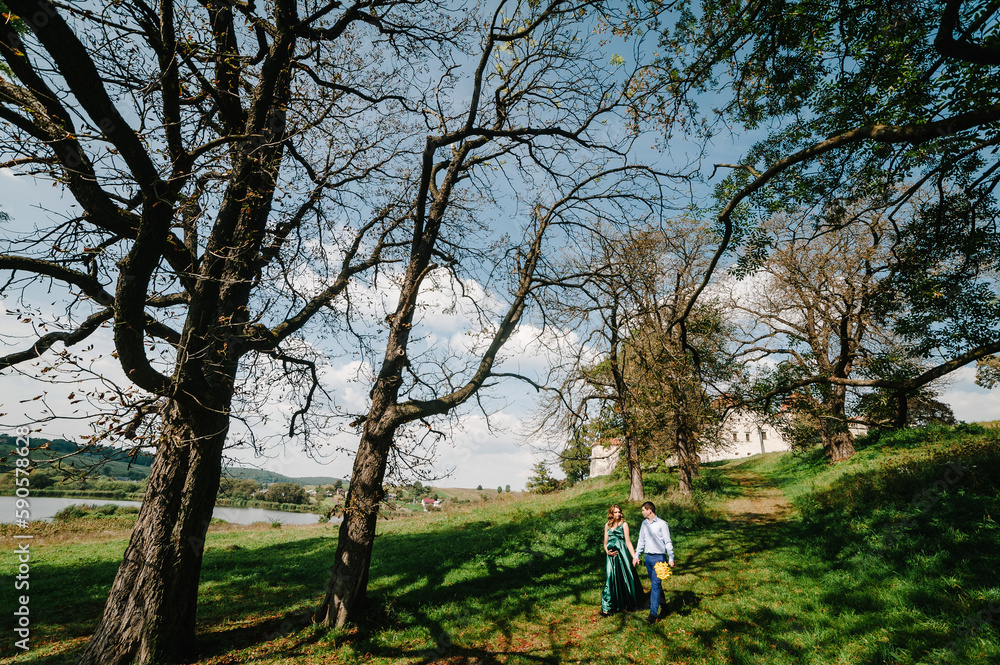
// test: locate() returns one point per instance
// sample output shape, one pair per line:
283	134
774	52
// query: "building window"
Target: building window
735	438
748	436
763	435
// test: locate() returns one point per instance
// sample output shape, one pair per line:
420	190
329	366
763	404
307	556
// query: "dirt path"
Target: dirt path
760	502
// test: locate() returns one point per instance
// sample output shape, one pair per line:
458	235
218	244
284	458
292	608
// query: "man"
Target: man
654	540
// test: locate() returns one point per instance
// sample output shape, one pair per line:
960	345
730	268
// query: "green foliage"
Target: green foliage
801	429
883	564
47	481
414	492
880	407
42	478
286	493
240	489
540	482
103	511
88	459
263	476
942	292
672	395
812	79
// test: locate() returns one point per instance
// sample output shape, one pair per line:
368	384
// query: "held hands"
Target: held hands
635	561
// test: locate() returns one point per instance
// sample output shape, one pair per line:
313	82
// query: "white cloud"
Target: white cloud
484	456
968	401
446	316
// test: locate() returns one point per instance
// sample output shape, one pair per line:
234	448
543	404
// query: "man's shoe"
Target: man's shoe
651	619
606	614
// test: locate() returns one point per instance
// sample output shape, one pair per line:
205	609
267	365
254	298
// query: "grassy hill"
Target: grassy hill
886	558
103	460
474	495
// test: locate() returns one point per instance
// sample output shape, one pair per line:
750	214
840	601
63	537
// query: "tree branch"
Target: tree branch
961	49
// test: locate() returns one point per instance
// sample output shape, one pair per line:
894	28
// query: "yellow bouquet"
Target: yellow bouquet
662	569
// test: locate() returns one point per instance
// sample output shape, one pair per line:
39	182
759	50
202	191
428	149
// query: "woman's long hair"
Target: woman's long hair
611	515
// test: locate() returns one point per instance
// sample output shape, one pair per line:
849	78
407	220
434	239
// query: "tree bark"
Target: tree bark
346	593
150	613
635	490
902	410
838	442
838	445
686	469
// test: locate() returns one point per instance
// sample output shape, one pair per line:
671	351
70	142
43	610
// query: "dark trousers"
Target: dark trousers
655	584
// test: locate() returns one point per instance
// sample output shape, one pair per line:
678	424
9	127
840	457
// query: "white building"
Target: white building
745	434
604	457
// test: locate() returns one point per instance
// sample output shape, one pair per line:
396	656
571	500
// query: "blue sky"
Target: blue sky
477	453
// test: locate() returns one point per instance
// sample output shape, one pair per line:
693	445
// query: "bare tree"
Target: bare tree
196	141
244	174
539	96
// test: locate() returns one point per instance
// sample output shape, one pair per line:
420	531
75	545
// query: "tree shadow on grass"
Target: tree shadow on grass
475	581
891	560
468	591
65	603
681	603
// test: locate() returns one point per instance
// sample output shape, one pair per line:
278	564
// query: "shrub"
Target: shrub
69	513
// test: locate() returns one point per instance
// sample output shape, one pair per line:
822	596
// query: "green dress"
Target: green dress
622	590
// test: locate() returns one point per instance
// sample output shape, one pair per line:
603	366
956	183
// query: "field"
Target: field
887	558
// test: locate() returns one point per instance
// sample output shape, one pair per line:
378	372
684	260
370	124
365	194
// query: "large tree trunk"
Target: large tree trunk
902	410
838	442
635	491
150	613
345	596
686	461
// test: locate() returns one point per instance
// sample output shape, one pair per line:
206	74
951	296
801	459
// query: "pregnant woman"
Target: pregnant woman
621	583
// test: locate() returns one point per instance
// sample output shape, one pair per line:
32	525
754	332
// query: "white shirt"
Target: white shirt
654	538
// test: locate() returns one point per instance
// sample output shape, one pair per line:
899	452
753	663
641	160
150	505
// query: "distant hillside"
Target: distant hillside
263	476
98	460
118	463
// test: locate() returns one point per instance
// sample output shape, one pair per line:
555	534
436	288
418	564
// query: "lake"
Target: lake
45	507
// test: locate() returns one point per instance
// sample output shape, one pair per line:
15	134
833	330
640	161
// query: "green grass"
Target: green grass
886	558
